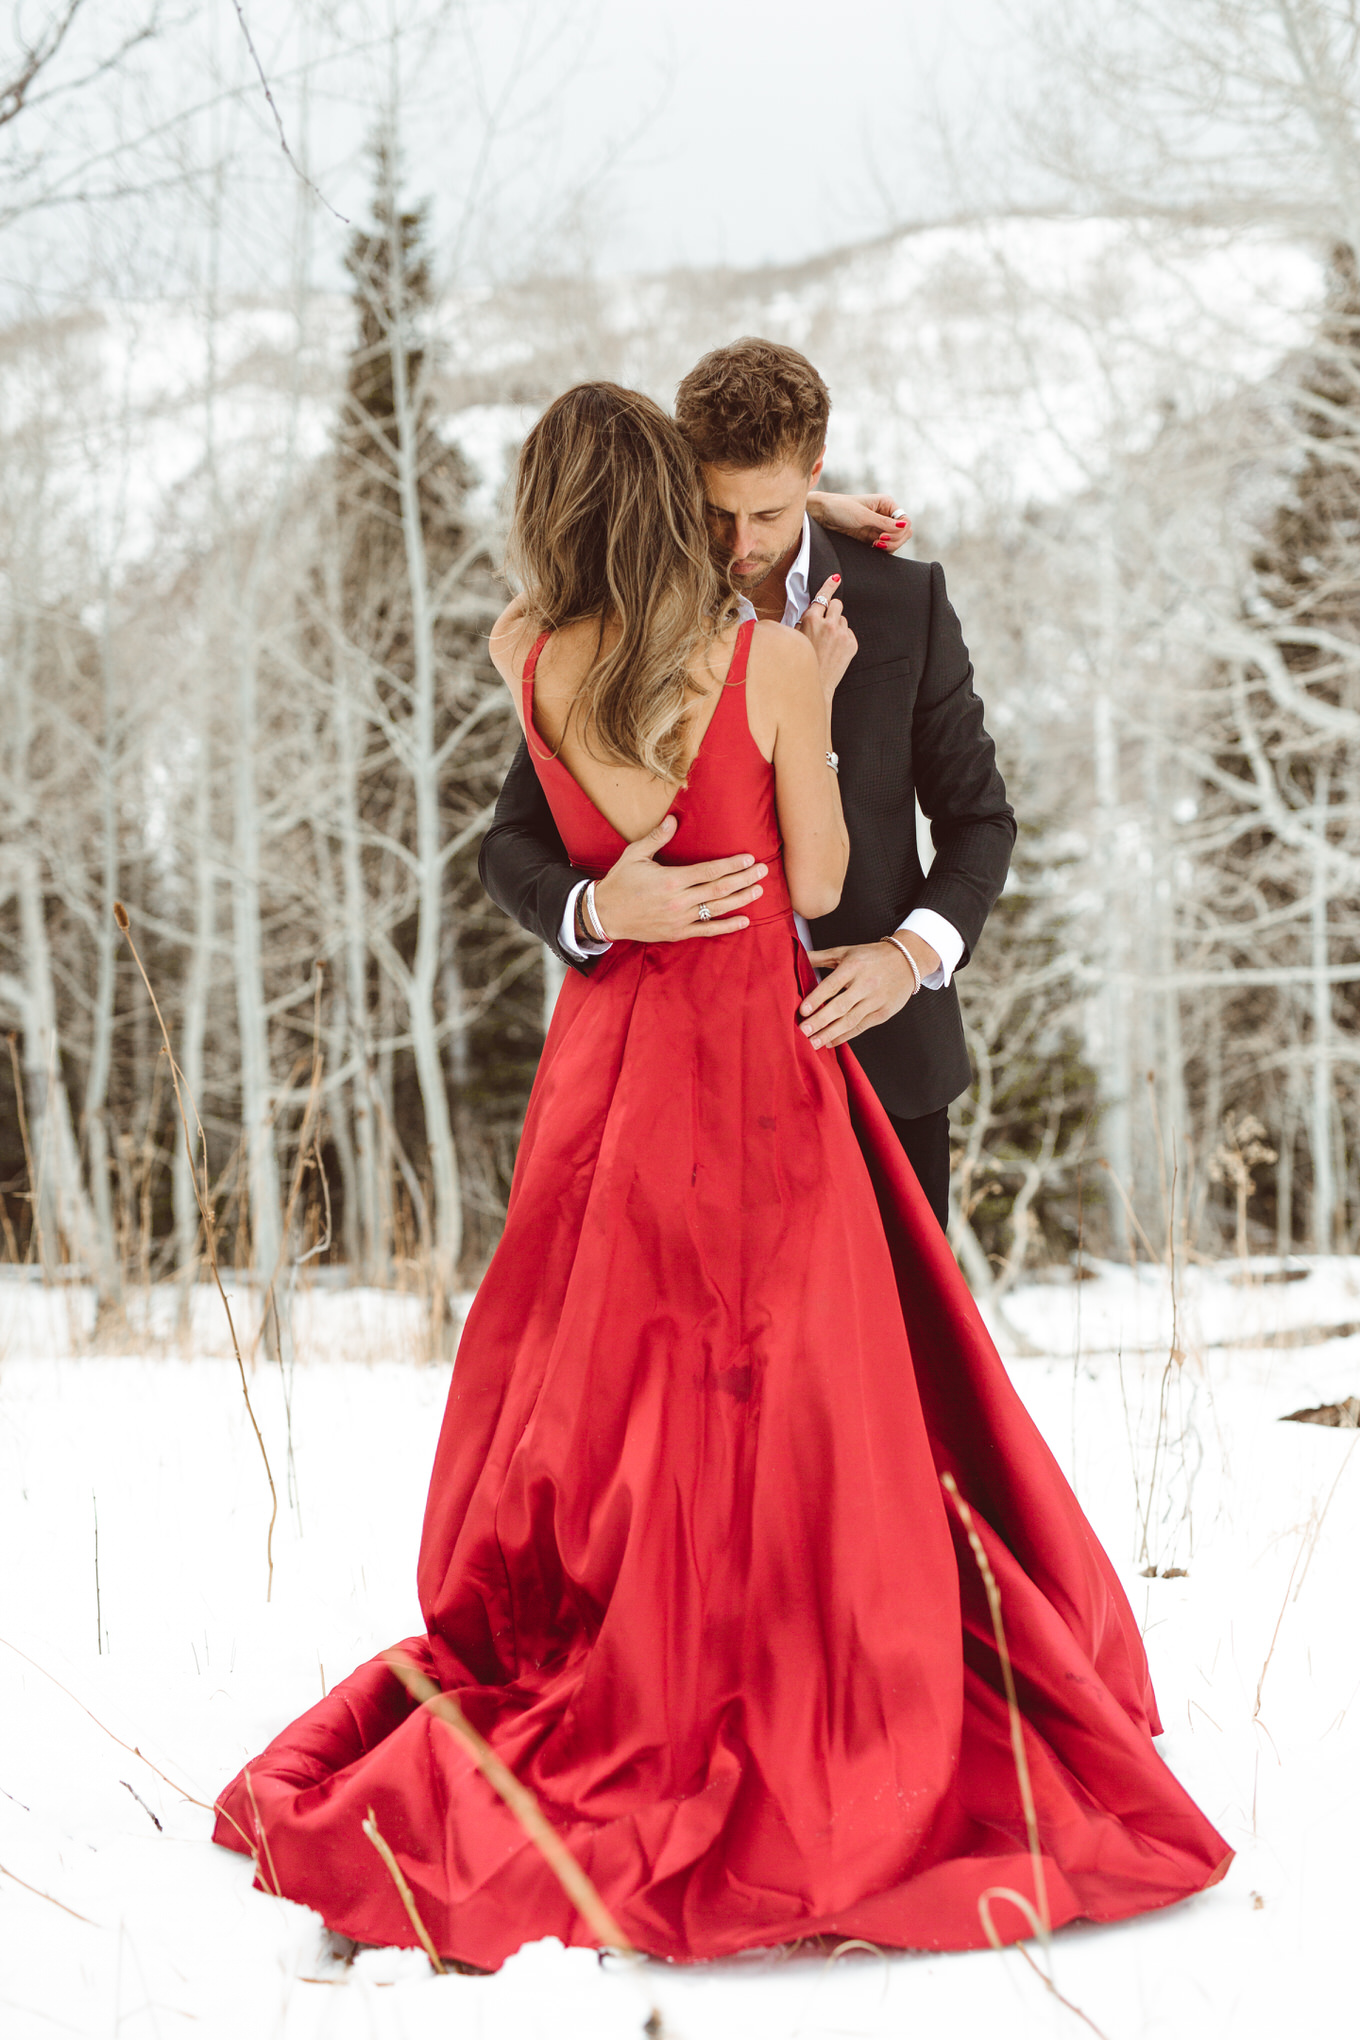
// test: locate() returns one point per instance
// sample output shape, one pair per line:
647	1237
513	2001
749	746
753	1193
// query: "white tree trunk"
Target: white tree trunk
193	1026
1114	1049
60	1205
1320	1115
257	1105
61	1209
371	1233
423	765
108	1274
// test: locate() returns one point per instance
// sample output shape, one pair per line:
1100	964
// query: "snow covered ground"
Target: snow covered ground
118	1918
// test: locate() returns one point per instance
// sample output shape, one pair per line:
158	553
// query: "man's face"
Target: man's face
755	517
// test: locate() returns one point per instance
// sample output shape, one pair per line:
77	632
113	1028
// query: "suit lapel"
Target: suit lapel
822	558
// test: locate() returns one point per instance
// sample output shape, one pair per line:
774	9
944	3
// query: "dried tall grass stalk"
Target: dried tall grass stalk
209	1230
1018	1899
131	1748
404	1892
25	1886
1041	1921
269	1305
262	1837
1175	1357
1308	1544
98	1613
521	1802
993	1592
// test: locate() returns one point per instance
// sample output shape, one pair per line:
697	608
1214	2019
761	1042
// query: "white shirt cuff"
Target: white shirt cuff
580	951
943	938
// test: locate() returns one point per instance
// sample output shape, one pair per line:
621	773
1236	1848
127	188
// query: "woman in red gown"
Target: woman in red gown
687	1561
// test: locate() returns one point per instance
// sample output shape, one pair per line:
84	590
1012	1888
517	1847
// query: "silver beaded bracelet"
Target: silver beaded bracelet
915	967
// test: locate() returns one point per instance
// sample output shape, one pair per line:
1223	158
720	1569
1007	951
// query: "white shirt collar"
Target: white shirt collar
796	581
796	591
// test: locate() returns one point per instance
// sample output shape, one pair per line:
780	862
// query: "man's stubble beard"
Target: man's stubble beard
745	584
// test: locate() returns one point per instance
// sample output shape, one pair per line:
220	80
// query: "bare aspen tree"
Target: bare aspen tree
1237	113
61	1208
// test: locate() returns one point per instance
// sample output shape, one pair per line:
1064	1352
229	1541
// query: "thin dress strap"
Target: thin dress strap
530	668
741	652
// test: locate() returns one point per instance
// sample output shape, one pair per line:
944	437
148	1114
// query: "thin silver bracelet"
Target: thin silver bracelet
915	967
592	918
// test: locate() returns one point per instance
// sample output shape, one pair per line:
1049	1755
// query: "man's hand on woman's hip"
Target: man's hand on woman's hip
639	900
866	983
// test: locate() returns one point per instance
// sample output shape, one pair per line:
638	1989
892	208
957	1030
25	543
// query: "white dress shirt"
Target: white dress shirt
943	937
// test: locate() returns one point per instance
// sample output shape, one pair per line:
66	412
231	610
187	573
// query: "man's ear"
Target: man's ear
817	467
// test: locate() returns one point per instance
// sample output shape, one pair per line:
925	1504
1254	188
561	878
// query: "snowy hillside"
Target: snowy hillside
989	363
131	1689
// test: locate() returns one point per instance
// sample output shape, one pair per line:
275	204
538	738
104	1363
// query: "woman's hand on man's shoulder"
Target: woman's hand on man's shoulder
826	628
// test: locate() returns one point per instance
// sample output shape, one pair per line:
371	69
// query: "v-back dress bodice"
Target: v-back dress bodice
687	1561
726	805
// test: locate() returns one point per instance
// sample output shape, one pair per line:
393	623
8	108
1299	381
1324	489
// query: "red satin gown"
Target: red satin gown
686	1559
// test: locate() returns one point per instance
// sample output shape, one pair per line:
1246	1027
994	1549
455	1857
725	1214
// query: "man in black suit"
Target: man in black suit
906	725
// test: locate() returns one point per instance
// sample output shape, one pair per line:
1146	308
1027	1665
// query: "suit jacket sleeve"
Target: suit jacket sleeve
523	862
957	782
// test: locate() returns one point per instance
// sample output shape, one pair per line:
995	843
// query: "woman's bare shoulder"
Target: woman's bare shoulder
780	655
512	638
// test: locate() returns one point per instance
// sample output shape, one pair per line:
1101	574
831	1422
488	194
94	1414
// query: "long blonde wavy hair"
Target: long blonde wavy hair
609	527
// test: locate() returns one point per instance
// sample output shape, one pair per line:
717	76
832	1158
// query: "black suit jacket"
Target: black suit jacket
907	725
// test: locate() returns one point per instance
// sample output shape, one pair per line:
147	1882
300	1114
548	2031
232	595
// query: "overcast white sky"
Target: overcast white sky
626	134
779	129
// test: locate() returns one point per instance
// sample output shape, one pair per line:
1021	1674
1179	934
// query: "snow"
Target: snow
1255	1653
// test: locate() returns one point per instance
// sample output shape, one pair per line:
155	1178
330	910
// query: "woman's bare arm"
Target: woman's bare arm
510	644
790	717
874	520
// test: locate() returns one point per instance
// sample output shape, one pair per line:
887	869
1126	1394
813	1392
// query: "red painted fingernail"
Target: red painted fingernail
901	523
835	577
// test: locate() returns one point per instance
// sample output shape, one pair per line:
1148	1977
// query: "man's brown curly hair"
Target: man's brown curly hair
753	405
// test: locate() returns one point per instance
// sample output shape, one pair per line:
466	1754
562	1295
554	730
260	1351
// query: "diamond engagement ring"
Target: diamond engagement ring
704	914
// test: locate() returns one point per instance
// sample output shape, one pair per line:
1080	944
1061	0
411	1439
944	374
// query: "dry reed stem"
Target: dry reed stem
131	1748
1065	2002
1018	1899
1131	1214
209	1235
261	1835
48	1896
98	1616
1175	1357
215	1807
269	1302
993	1593
521	1802
1041	1921
1308	1544
404	1892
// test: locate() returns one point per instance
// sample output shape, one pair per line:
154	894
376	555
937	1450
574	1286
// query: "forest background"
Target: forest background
253	452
